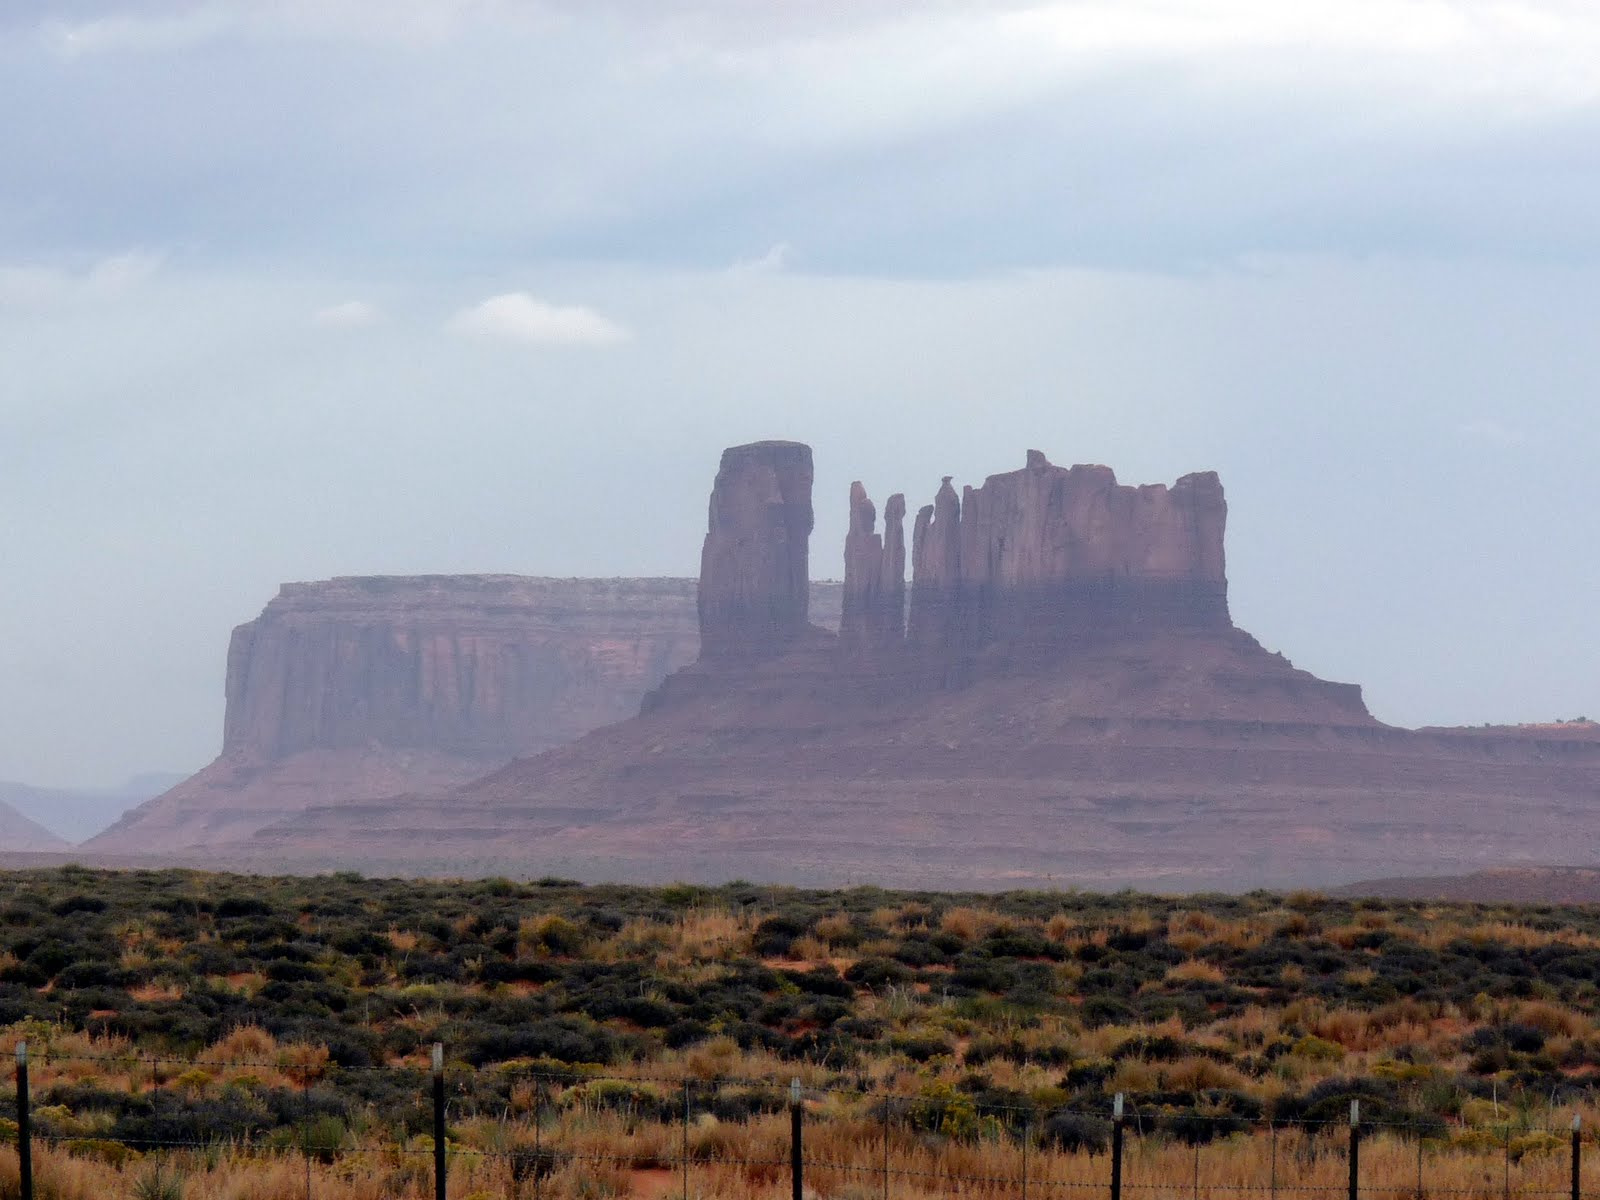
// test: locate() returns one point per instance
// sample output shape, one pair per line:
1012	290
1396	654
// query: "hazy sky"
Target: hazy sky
297	288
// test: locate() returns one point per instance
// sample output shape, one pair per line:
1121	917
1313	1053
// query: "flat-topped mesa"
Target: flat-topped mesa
477	665
1051	554
874	574
753	597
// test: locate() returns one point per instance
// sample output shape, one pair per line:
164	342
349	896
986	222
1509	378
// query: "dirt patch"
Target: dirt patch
653	1183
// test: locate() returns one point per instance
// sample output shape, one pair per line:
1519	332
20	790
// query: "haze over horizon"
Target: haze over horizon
300	288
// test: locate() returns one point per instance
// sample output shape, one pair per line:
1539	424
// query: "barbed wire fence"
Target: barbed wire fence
852	1142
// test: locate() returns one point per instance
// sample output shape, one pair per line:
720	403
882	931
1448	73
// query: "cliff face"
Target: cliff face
754	567
478	665
486	666
358	687
1052	556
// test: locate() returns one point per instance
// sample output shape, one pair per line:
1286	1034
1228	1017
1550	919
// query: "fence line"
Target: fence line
1040	1157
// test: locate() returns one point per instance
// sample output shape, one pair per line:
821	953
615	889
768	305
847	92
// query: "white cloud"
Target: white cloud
1486	429
352	314
519	317
121	273
35	286
775	259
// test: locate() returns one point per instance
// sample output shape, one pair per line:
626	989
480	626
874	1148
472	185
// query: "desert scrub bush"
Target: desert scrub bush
638	1100
113	1154
1075	1132
1436	1000
774	936
552	935
939	1108
921	1047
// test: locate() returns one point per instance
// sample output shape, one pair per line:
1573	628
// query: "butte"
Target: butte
1058	696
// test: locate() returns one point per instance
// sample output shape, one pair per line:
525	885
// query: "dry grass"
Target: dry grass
1263	1047
1196	970
971	924
850	1156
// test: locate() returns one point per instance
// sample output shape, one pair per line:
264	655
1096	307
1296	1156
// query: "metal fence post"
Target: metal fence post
438	1122
796	1136
24	1123
1116	1147
1027	1130
685	1140
305	1116
1577	1155
1272	1177
1355	1149
887	1100
538	1138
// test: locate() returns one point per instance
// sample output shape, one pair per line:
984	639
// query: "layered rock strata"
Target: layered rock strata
358	687
475	665
1051	557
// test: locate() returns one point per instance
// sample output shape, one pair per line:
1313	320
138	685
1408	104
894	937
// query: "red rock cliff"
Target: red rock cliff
754	568
470	664
352	688
1052	555
874	605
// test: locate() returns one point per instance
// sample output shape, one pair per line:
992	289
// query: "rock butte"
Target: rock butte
354	688
1065	699
754	578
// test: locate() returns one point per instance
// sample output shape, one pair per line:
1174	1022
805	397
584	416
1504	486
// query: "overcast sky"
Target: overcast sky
297	288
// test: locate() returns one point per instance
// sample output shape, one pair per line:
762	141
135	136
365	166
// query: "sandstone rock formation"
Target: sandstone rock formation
873	615
1051	557
754	568
476	665
1070	704
358	687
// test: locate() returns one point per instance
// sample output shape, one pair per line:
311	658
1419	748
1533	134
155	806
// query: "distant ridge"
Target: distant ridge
19	833
1501	885
74	814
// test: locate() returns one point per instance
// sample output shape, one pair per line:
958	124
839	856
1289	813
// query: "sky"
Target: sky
300	288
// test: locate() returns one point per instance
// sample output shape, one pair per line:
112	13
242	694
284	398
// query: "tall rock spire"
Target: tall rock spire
874	574
892	573
863	554
936	572
753	568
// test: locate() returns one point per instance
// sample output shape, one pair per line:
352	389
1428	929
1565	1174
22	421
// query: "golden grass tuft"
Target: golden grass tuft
970	924
1196	970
